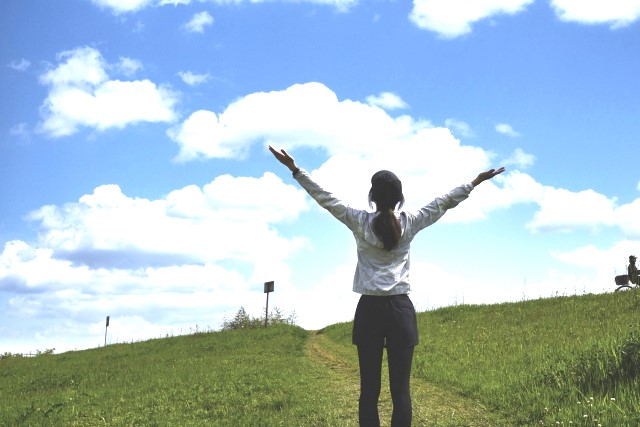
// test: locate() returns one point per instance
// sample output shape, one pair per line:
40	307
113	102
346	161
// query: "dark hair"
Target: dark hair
386	193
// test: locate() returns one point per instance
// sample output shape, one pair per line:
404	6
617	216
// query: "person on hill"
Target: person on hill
622	281
385	316
632	271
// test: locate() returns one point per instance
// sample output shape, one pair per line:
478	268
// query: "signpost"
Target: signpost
268	288
105	332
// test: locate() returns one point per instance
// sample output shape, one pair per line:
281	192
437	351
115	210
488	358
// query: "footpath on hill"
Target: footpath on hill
432	405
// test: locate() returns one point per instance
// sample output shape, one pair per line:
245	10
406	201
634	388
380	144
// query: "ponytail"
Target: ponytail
386	193
387	228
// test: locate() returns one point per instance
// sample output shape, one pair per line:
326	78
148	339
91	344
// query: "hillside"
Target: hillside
559	361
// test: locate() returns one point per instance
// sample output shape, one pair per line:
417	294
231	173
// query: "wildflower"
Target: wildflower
613	399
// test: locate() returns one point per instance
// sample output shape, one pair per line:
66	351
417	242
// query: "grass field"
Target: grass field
558	361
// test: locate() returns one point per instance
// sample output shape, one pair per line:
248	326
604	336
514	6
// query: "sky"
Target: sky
136	183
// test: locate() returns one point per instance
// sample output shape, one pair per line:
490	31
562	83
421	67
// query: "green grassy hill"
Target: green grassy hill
559	361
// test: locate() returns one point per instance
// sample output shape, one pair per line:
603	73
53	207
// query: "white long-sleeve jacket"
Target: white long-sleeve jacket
379	271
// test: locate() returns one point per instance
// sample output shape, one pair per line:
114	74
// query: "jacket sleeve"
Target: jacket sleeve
433	211
340	210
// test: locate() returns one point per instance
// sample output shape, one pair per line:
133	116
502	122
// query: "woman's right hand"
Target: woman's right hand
487	175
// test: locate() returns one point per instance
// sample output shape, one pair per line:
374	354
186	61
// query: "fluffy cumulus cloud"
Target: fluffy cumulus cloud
453	18
506	129
617	13
520	159
458	127
562	210
361	137
108	228
387	100
124	6
128	256
193	79
131	6
198	22
81	94
304	114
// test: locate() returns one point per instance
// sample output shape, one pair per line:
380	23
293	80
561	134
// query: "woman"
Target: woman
385	316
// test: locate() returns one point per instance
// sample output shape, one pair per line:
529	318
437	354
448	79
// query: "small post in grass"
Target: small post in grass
105	332
268	287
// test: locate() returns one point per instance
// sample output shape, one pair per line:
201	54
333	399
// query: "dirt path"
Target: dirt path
432	406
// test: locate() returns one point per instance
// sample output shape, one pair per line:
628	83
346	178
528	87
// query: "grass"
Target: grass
245	378
558	361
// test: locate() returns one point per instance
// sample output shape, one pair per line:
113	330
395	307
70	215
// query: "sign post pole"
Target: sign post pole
105	332
268	288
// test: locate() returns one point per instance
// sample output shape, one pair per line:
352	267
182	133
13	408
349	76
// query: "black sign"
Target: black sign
268	287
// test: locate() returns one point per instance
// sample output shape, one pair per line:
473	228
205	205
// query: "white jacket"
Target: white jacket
379	271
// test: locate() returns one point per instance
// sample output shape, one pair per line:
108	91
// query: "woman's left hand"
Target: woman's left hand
284	158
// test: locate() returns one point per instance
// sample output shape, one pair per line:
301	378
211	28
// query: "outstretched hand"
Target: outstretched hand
284	158
487	175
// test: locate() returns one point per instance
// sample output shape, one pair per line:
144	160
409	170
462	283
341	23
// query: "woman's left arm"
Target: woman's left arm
284	158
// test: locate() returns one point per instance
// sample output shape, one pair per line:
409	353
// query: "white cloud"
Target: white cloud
167	262
20	65
190	224
387	101
605	263
459	127
618	13
562	210
193	79
124	6
362	138
128	66
520	159
81	94
132	6
308	114
198	22
454	18
506	129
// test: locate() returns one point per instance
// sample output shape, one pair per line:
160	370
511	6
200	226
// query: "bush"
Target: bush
242	320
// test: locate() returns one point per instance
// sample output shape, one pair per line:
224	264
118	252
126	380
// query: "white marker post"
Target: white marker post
268	287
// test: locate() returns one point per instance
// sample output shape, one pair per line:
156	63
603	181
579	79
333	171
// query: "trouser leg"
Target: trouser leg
400	360
370	361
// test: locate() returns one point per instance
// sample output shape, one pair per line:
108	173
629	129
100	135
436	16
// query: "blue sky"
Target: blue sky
135	180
